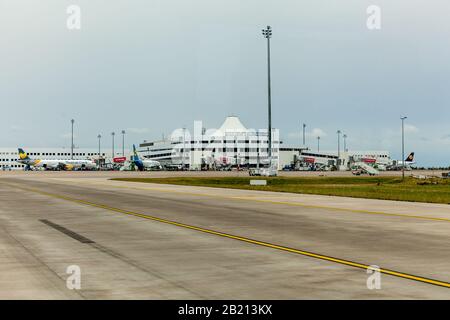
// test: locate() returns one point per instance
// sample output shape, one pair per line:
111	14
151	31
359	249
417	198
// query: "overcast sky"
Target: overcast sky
150	67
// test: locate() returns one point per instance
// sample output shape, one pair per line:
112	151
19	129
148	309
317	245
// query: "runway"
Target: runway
146	241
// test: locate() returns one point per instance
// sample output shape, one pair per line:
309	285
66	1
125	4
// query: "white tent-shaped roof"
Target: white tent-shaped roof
230	125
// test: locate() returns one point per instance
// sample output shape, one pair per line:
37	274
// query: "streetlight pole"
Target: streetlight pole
267	33
257	149
345	142
184	146
201	145
403	146
123	143
71	145
318	144
304	127
236	151
99	138
112	151
339	145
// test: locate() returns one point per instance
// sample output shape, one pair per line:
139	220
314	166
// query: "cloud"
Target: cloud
294	135
15	127
316	132
68	135
138	130
409	128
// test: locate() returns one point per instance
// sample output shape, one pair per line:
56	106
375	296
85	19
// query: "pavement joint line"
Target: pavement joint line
247	240
297	204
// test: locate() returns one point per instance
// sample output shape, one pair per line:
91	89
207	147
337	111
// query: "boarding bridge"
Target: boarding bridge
369	169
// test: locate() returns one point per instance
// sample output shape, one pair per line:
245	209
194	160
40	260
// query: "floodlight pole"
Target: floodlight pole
339	143
267	33
99	137
123	143
345	142
112	151
71	145
257	149
304	140
184	146
403	146
201	145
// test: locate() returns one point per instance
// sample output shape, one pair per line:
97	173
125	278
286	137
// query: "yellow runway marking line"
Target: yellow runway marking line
248	240
296	204
354	210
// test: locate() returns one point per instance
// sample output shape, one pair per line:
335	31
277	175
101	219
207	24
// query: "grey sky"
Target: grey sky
152	66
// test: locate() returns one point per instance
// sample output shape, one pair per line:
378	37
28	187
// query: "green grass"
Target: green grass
389	188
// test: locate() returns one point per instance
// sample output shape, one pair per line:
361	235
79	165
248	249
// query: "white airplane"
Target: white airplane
145	164
407	163
54	164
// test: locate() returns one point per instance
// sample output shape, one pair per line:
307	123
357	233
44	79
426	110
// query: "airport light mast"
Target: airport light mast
403	146
345	142
99	137
112	151
184	147
201	145
267	33
304	140
71	145
257	149
123	143
339	148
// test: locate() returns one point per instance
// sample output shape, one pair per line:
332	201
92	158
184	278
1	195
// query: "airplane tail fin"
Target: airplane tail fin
410	158
136	160
135	155
22	154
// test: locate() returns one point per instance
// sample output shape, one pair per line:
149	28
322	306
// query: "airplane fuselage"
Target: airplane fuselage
55	164
151	164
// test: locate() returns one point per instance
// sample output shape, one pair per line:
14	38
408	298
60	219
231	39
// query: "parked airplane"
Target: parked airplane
145	164
54	164
407	163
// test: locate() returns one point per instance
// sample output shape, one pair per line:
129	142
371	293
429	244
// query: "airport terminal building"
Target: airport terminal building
9	156
344	159
231	145
235	145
